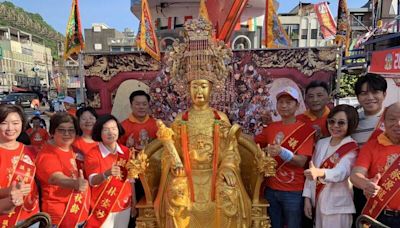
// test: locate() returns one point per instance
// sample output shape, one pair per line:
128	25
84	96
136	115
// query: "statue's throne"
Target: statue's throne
252	180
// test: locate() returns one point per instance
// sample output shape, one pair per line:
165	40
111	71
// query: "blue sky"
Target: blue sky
116	13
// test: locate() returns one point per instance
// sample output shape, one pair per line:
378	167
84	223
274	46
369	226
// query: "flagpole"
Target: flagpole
81	78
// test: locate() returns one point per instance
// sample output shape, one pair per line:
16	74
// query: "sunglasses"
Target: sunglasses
340	123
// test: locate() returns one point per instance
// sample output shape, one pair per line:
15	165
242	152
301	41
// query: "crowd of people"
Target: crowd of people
75	170
322	153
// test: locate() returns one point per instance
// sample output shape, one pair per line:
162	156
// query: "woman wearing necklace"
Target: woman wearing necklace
86	116
64	190
327	187
113	194
17	169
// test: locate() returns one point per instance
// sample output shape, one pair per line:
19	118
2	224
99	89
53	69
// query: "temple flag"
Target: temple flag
73	36
325	19
275	35
343	29
147	36
203	11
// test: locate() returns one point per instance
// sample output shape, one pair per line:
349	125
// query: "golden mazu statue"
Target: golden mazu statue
202	172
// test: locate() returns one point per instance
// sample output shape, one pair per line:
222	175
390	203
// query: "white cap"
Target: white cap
289	91
69	100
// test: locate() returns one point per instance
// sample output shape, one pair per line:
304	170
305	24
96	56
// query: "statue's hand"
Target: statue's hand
229	177
178	172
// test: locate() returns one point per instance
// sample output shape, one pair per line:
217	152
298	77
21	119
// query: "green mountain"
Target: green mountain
11	15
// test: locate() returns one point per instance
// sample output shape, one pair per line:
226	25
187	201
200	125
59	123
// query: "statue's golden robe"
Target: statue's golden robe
232	205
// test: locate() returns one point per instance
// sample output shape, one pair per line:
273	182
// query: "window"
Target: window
96	28
127	49
292	31
304	34
98	47
314	34
115	49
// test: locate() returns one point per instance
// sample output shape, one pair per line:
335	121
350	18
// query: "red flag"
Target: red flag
325	19
73	36
147	36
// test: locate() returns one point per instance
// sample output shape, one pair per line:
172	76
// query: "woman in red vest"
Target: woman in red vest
17	169
64	190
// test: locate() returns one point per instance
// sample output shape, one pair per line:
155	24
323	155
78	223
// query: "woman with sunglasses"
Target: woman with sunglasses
113	194
64	190
327	187
17	169
86	116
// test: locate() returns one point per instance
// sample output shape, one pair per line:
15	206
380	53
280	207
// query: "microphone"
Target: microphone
279	138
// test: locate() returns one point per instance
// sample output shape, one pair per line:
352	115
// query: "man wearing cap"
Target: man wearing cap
316	99
69	104
377	171
291	143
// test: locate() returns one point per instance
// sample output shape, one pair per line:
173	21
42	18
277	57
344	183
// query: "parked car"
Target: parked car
22	99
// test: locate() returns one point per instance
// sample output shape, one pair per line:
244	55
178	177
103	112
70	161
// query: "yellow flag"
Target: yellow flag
203	10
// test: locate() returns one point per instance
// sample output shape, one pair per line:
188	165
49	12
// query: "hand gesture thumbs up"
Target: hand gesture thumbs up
82	183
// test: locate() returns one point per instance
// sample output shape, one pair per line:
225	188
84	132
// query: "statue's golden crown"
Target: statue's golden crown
199	56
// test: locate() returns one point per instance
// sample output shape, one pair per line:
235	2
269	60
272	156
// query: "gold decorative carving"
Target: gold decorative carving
137	164
306	60
107	66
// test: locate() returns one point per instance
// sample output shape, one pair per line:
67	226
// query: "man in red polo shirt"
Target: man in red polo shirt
140	128
316	99
377	171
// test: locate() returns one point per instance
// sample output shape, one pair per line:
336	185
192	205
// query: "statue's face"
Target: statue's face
200	91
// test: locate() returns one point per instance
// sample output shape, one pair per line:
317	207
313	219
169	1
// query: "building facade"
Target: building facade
101	38
169	16
25	64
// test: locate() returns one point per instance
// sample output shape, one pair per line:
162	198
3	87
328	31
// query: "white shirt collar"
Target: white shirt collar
105	152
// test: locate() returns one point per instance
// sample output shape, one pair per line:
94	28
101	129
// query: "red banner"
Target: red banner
385	62
325	19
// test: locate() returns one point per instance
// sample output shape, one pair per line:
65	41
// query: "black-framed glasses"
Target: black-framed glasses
340	123
63	131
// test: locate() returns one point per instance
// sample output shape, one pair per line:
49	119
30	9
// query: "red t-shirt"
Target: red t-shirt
52	159
8	161
289	177
38	137
81	147
96	164
376	156
138	134
312	120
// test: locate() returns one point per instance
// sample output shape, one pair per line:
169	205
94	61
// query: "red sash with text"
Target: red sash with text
109	195
390	186
332	161
295	140
75	207
23	172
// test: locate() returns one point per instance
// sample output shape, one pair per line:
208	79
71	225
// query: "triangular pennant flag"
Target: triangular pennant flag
203	11
147	36
73	36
